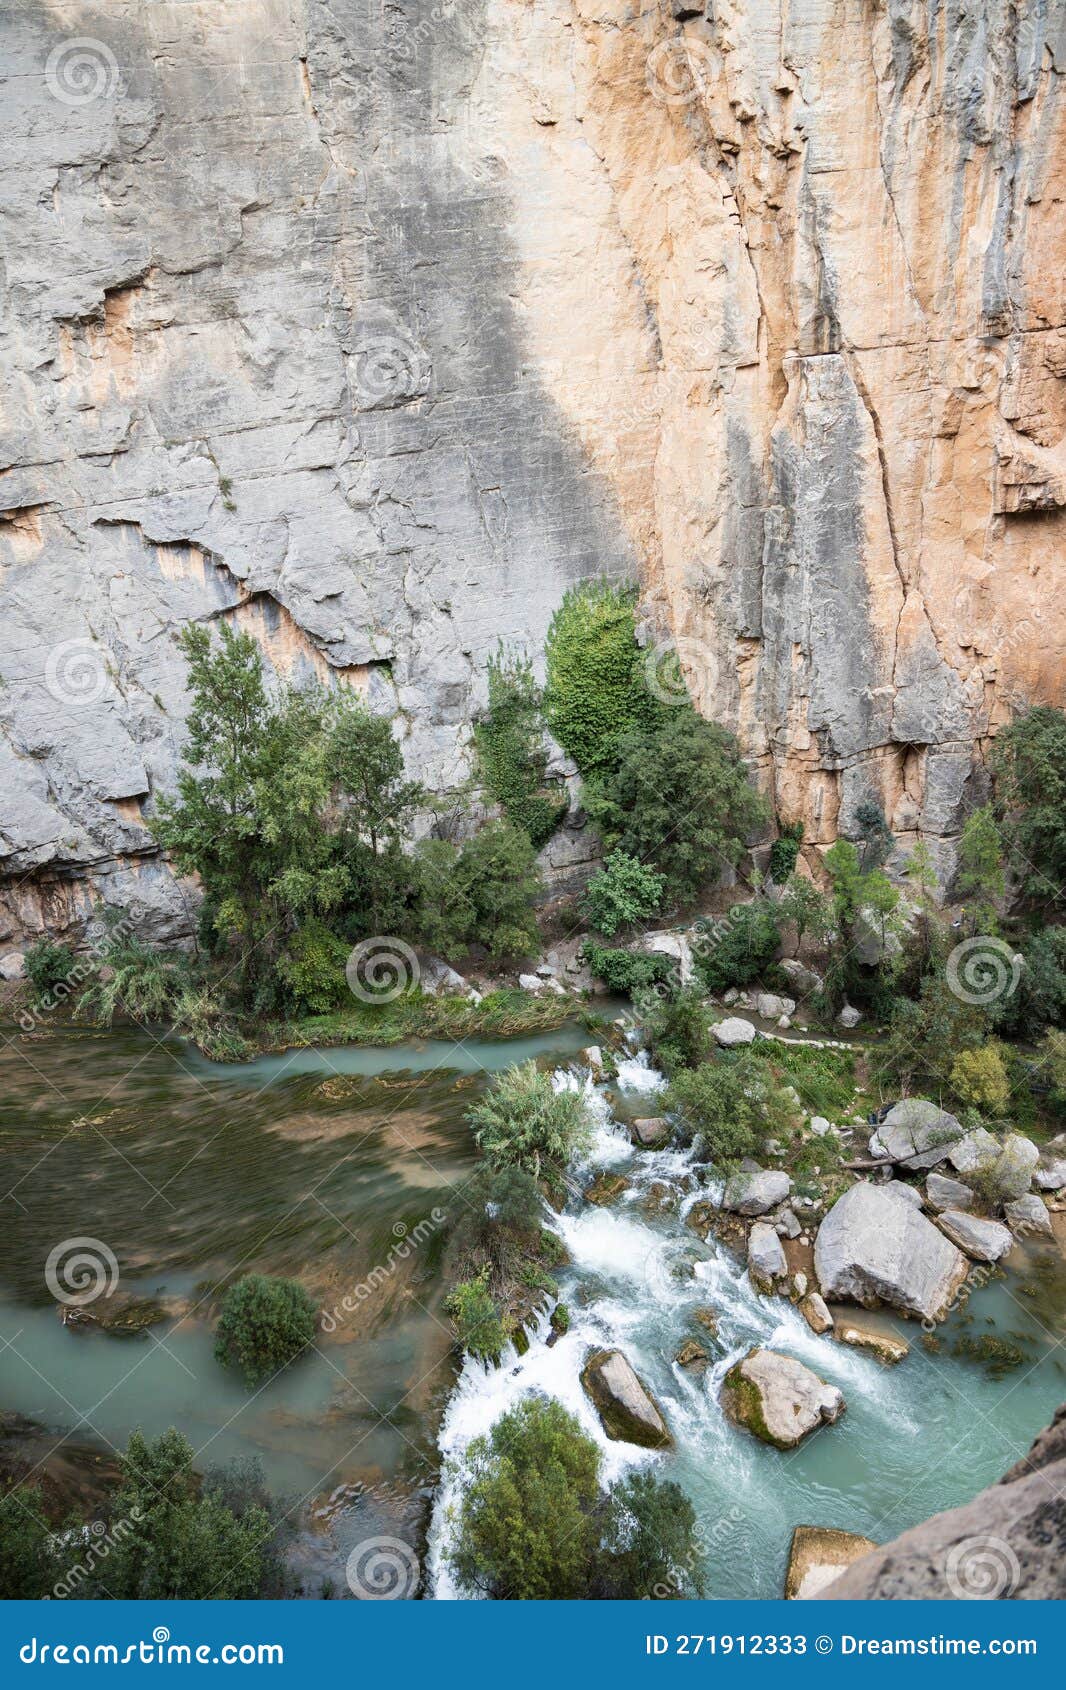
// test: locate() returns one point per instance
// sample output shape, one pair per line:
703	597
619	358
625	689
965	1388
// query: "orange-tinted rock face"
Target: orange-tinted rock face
805	308
372	328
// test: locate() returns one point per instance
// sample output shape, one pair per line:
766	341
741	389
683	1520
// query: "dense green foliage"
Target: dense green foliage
29	1565
478	893
533	1525
784	852
738	949
980	880
596	690
511	754
523	1121
168	1535
478	1326
49	968
626	971
676	1028
1029	761
622	893
732	1103
680	798
264	1325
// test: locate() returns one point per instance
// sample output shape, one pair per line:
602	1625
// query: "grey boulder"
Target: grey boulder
975	1151
1028	1215
875	1247
766	1258
778	1399
918	1133
734	1030
627	1410
945	1193
985	1240
1050	1176
753	1191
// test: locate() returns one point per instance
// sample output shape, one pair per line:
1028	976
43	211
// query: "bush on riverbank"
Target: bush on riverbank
732	1104
264	1325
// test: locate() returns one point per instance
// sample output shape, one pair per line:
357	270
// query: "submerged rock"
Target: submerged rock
985	1240
628	1412
734	1031
918	1133
766	1258
693	1356
649	1130
778	1399
606	1189
754	1190
818	1555
884	1345
874	1247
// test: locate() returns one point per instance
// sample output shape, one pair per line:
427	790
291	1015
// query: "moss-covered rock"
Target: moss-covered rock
626	1408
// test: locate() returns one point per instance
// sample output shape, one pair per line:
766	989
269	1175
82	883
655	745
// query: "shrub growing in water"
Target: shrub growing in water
478	1327
264	1325
523	1121
676	1028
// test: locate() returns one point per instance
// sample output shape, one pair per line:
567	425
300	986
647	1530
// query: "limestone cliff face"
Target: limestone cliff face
371	324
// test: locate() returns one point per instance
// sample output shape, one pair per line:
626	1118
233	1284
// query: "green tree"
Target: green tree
680	799
808	909
649	1539
733	1104
875	833
784	852
28	1565
534	1526
511	753
622	893
265	1324
375	802
523	1121
981	881
1029	762
735	950
526	1528
595	691
175	1538
676	1027
497	879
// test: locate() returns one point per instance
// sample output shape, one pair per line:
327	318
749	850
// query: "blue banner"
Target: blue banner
542	1646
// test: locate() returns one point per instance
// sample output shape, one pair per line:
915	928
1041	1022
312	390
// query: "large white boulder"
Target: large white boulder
985	1240
778	1399
734	1030
918	1133
627	1409
754	1190
873	1246
766	1257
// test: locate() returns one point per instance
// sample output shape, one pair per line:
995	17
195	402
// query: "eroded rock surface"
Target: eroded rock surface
875	1247
370	329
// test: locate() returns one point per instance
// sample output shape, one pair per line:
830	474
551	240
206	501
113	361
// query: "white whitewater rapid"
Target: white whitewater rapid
637	1275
